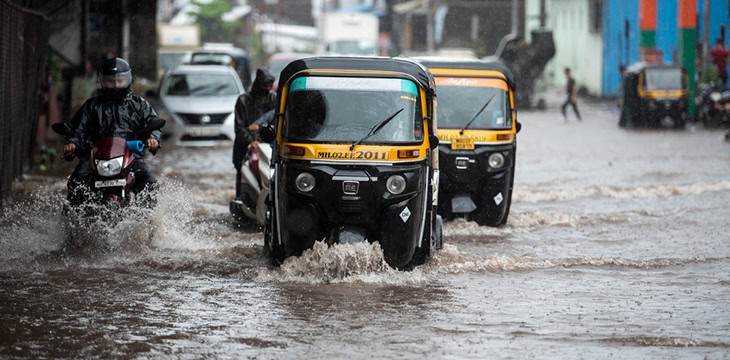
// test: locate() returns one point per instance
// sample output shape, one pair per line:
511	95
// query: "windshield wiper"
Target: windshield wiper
476	116
376	128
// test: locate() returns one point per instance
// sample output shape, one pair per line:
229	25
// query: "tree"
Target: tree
212	26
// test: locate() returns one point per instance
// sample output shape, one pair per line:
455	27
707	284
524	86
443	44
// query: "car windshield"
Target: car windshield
664	79
201	84
350	109
211	59
461	103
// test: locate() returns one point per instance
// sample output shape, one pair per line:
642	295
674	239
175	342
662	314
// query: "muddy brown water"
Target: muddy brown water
616	247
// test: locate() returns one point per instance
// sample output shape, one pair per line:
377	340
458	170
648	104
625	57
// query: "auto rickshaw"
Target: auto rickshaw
478	138
654	95
355	158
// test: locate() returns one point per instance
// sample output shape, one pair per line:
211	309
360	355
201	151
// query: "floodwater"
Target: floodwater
617	246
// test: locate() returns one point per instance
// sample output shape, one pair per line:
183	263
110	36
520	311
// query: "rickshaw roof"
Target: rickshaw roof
398	65
470	64
640	66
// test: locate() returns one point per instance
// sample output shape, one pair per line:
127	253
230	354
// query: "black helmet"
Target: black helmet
115	77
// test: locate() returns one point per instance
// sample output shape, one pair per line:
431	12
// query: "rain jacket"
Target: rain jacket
101	117
250	107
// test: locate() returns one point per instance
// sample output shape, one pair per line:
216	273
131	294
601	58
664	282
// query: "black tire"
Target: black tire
275	252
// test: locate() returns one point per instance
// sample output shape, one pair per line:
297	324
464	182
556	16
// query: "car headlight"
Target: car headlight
395	184
496	160
109	167
305	182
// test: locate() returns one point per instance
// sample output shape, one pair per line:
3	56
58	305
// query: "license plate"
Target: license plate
203	132
462	144
110	183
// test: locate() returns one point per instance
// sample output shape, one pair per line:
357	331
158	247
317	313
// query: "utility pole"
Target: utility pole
429	26
515	17
686	49
705	34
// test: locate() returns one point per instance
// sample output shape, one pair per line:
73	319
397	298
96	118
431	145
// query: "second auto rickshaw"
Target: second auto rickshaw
478	138
654	95
355	158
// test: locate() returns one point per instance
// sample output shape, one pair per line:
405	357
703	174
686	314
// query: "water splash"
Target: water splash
341	263
179	228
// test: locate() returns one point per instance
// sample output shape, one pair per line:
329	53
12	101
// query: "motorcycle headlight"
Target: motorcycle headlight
109	167
304	182
395	184
496	160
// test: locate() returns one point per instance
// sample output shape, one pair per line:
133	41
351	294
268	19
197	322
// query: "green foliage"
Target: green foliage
256	49
212	27
53	67
709	74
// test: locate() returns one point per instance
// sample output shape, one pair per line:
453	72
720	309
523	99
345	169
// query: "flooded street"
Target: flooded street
617	246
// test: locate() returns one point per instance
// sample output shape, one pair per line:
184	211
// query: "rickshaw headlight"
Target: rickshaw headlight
304	182
396	184
496	160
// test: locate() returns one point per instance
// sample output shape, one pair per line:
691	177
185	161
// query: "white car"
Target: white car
198	102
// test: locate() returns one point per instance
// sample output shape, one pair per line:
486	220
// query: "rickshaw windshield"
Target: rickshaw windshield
351	109
664	79
462	100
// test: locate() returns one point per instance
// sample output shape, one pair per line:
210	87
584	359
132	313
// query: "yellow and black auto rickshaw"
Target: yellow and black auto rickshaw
654	95
355	158
478	138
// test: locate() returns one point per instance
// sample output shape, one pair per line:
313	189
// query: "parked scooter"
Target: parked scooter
252	182
252	185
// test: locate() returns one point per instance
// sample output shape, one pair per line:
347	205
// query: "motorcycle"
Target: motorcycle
252	182
111	183
252	185
713	106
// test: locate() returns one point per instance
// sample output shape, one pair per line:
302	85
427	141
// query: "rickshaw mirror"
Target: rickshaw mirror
268	132
518	126
434	140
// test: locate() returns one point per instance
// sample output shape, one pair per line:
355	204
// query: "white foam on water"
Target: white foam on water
666	341
451	260
535	194
341	263
530	220
463	227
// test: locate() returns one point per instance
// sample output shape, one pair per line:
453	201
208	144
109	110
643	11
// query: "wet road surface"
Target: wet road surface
616	247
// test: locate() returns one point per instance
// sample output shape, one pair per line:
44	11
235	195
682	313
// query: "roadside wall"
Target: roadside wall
23	44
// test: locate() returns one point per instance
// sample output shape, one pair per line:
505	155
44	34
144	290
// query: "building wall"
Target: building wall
621	48
666	29
578	41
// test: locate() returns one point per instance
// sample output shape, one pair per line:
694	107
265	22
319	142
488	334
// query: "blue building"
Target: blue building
596	59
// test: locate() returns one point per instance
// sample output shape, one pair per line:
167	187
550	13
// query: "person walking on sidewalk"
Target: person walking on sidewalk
572	95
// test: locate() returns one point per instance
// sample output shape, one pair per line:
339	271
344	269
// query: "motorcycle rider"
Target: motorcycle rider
249	107
116	112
